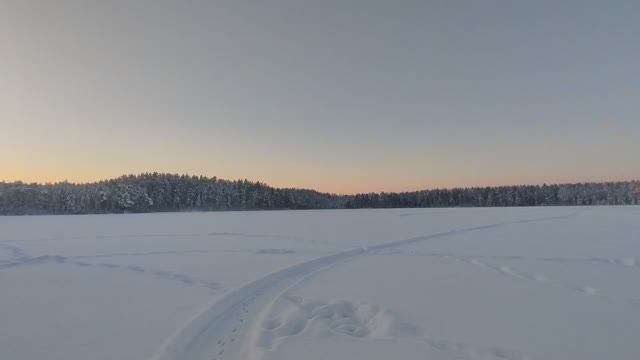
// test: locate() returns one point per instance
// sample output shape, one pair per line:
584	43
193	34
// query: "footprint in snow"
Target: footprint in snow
362	321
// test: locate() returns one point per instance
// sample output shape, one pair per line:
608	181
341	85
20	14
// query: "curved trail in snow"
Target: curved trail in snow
223	331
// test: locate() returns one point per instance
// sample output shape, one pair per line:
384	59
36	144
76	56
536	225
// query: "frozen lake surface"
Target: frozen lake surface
494	283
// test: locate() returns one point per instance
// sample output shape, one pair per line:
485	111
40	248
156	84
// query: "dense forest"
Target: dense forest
168	192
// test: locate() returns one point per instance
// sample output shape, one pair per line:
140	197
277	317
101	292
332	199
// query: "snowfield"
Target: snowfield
493	283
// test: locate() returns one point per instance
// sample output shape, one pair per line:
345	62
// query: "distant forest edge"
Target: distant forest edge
168	192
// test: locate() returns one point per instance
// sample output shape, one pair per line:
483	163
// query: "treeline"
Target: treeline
167	192
610	193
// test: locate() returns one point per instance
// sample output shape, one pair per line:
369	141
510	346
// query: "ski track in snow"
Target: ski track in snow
155	236
227	328
21	259
205	251
14	251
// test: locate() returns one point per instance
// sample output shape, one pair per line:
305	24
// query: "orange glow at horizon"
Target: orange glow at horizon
327	184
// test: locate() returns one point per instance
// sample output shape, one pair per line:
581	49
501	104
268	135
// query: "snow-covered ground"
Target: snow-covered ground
497	283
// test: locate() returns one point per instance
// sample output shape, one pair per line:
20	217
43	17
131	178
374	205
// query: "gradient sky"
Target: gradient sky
337	95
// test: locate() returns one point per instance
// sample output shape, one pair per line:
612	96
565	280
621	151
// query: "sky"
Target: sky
337	95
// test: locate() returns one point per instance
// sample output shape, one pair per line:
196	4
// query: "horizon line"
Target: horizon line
94	182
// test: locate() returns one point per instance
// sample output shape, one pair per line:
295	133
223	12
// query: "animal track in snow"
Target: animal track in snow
581	289
627	262
487	261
